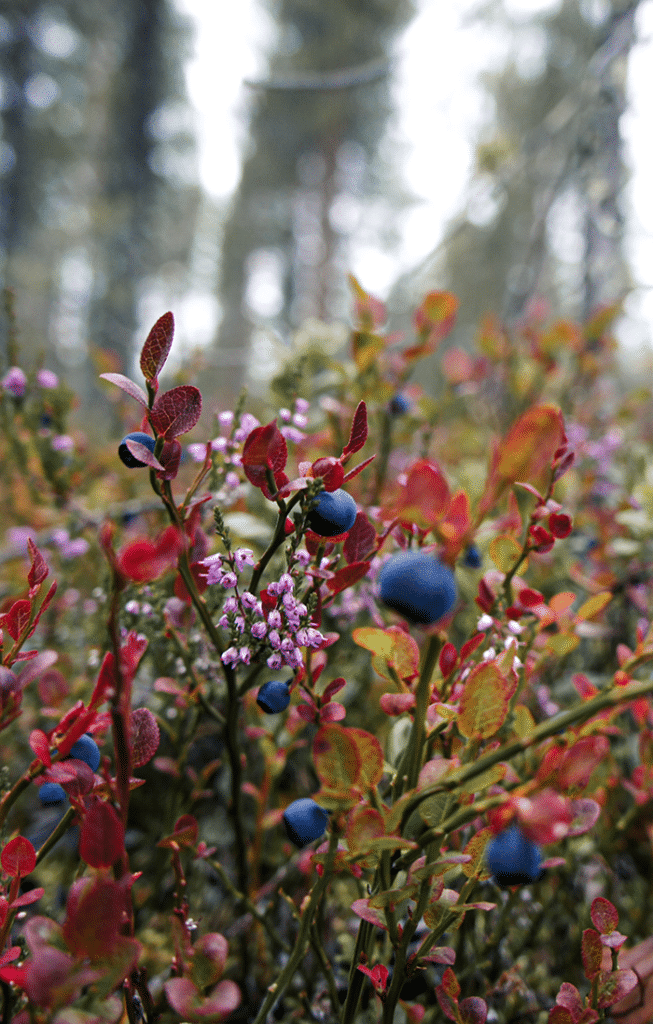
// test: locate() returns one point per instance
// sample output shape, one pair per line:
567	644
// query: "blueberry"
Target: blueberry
305	821
399	404
52	793
124	452
473	558
273	696
86	750
417	586
512	858
333	512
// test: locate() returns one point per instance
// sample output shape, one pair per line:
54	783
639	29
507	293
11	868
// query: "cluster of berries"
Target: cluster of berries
86	750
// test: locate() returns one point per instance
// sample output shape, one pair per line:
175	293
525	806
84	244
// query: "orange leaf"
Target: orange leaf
528	448
424	499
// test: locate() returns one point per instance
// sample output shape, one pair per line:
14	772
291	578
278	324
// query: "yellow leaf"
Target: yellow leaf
505	552
476	849
594	605
562	643
523	722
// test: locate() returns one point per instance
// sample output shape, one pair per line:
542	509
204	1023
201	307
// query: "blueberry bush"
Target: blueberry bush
340	711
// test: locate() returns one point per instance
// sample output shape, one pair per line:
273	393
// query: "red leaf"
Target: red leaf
604	915
177	411
157	346
143	453
448	1006
560	1015
188	1002
88	904
144	736
450	984
579	762
347	576
17	618
424	499
265	449
468	648
358	469
170	458
473	1010
38	570
361	539
370	914
358	435
560	524
334	687
396	703
27	898
448	659
145	560
591	952
38	741
18	858
43	606
127	385
106	681
102	839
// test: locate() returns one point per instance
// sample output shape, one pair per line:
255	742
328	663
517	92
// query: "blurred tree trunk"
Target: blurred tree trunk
316	126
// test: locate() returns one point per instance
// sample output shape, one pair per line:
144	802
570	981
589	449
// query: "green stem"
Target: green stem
277	989
411	760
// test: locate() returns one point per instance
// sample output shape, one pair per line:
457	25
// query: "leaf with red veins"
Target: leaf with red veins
604	915
127	385
102	837
358	435
17	618
330	470
38	741
265	450
18	857
348	576
361	539
176	411
157	346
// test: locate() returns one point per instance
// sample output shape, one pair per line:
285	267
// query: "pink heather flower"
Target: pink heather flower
47	379
230	656
301	405
225	419
223	621
274	661
15	382
303	558
309	637
259	629
274	618
228	580
285	415
248	423
287	646
63	443
294	658
232	480
219	444
244	654
230	605
299	419
274	638
243	557
292	434
289	602
74	548
215	573
240	623
248	600
197	452
286	584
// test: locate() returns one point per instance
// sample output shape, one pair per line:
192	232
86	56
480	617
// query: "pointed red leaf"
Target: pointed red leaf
177	411
157	346
358	435
102	839
347	576
361	539
127	385
142	453
106	681
265	449
27	898
38	741
358	469
38	569
17	618
170	458
18	857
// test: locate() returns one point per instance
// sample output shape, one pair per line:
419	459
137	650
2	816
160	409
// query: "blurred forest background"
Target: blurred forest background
101	206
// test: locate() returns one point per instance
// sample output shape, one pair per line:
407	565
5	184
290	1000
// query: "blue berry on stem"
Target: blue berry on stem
126	456
417	586
473	558
399	404
51	793
86	750
333	512
305	821
274	696
512	858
